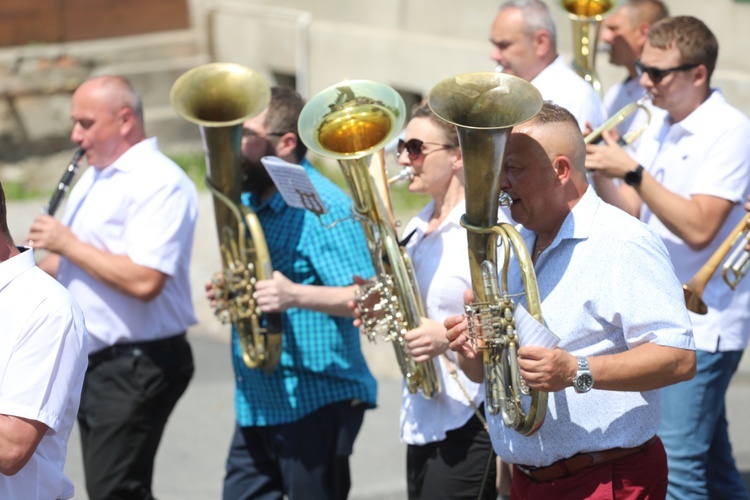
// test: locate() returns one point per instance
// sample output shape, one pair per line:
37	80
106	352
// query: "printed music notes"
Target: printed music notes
294	185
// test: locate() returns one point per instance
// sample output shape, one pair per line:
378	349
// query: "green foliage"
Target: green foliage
194	165
405	204
20	190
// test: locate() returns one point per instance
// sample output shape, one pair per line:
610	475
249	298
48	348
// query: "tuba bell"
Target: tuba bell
219	98
586	17
484	107
349	122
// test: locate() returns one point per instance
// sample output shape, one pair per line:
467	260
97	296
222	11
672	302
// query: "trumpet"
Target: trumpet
406	174
622	115
733	270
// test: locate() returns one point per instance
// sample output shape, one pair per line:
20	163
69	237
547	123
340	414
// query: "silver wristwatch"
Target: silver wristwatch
583	382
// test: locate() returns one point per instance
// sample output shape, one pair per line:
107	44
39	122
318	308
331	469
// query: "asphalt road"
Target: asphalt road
190	461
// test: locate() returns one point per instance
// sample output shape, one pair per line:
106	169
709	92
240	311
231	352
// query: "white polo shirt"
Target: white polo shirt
706	153
441	264
561	85
143	206
42	364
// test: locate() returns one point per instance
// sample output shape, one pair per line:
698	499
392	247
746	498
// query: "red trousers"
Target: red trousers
639	476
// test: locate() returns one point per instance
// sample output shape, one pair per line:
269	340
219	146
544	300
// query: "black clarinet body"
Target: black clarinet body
64	184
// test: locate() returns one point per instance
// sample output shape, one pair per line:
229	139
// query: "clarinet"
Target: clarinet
64	184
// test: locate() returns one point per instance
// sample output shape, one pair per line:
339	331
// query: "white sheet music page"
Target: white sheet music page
532	332
293	184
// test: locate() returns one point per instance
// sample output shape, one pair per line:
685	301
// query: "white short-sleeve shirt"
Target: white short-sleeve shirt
143	206
706	153
43	361
633	298
441	265
561	85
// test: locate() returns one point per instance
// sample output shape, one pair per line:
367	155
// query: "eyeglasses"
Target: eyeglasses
414	148
251	134
657	74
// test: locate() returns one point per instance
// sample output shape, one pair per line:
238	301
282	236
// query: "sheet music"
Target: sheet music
294	185
531	332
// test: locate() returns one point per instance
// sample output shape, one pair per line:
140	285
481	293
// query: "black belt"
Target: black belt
569	466
137	349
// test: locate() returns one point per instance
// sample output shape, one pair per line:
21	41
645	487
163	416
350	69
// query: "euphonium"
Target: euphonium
219	97
618	118
484	107
586	16
348	122
733	270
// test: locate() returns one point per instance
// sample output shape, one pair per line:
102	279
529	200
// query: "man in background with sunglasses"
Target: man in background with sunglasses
624	32
688	181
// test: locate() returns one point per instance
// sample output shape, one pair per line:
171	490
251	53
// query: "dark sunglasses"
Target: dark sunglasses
657	74
414	148
251	134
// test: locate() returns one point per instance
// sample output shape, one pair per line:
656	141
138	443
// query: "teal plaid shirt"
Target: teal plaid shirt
321	360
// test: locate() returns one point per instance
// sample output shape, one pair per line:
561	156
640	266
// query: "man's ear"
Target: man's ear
563	169
543	42
126	119
701	76
286	145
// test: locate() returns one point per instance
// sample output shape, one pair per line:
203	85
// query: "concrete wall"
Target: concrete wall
408	44
412	44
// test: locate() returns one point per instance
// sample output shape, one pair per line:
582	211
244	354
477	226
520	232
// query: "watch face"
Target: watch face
584	382
633	178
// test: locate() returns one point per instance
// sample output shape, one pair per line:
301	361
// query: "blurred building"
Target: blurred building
48	46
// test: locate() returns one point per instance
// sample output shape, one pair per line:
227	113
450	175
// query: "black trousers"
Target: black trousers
128	393
303	460
457	467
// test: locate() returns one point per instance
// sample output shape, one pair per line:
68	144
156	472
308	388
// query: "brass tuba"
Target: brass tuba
219	97
733	270
348	122
586	17
484	107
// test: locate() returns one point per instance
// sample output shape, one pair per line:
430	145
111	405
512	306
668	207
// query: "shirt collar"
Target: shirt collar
453	218
124	163
696	121
13	267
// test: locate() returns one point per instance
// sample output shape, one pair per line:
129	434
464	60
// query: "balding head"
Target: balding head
107	119
117	92
557	130
543	169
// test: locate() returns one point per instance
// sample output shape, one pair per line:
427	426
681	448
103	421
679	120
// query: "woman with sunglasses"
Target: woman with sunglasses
449	453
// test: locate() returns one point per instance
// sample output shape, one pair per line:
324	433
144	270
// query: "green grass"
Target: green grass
15	191
194	165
